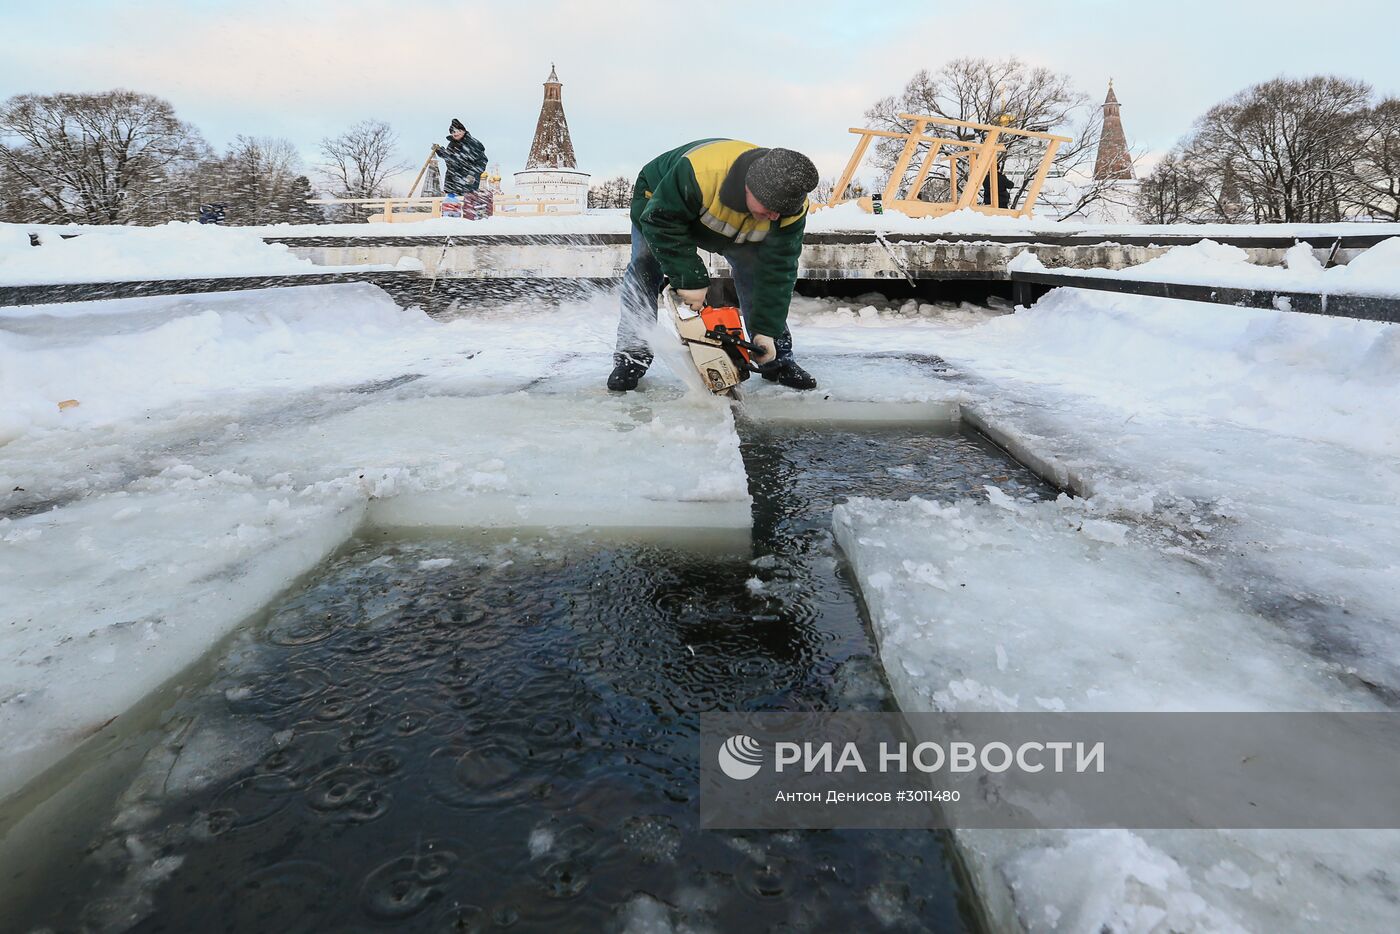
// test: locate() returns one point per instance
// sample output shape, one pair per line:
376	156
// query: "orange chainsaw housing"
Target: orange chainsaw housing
725	318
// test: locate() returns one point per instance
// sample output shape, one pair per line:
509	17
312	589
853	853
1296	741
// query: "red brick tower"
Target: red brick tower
552	148
1113	159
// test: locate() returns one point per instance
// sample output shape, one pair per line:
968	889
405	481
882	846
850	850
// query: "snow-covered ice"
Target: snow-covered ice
1009	605
1127	627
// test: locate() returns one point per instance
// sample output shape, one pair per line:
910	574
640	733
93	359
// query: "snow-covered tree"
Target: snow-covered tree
1310	150
259	180
359	162
1375	188
118	157
613	193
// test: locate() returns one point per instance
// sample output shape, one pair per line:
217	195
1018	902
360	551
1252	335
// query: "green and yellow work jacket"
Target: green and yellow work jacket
692	198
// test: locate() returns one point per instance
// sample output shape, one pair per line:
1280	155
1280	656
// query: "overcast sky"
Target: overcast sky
641	77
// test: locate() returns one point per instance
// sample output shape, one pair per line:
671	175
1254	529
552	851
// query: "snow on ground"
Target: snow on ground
128	254
223	445
1374	272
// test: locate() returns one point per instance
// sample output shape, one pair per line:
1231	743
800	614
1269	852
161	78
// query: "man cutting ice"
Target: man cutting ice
729	197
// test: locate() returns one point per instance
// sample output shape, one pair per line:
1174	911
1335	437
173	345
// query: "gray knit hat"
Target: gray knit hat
780	179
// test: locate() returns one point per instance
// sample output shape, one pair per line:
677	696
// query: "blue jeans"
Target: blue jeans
642	284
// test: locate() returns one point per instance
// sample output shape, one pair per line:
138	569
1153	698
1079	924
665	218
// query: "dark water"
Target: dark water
509	741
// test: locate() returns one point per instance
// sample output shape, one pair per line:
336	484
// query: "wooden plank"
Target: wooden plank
902	164
921	208
1033	192
985	127
851	165
933	150
986	156
432	154
890	134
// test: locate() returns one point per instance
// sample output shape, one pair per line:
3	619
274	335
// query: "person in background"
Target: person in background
211	213
1004	188
465	159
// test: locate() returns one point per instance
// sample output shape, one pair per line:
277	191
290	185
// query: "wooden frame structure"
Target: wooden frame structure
981	156
408	209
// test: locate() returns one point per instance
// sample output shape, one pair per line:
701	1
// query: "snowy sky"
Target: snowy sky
641	77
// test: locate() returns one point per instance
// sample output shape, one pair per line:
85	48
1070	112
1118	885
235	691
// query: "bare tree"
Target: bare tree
255	180
15	204
1085	191
1170	194
1290	146
614	193
826	187
1375	188
360	161
993	92
109	158
1309	150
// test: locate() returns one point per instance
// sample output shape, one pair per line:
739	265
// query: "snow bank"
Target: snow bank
1374	272
849	217
125	254
1333	380
140	356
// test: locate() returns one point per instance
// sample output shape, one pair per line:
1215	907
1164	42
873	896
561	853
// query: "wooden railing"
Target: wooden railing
540	206
407	210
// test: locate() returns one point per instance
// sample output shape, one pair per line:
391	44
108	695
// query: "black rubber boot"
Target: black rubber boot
628	368
791	375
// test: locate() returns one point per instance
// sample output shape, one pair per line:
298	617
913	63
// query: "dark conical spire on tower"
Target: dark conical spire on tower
1113	159
552	148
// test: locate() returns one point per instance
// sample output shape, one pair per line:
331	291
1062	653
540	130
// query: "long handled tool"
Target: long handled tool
432	154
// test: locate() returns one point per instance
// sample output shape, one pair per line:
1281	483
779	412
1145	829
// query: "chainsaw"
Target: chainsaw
718	347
